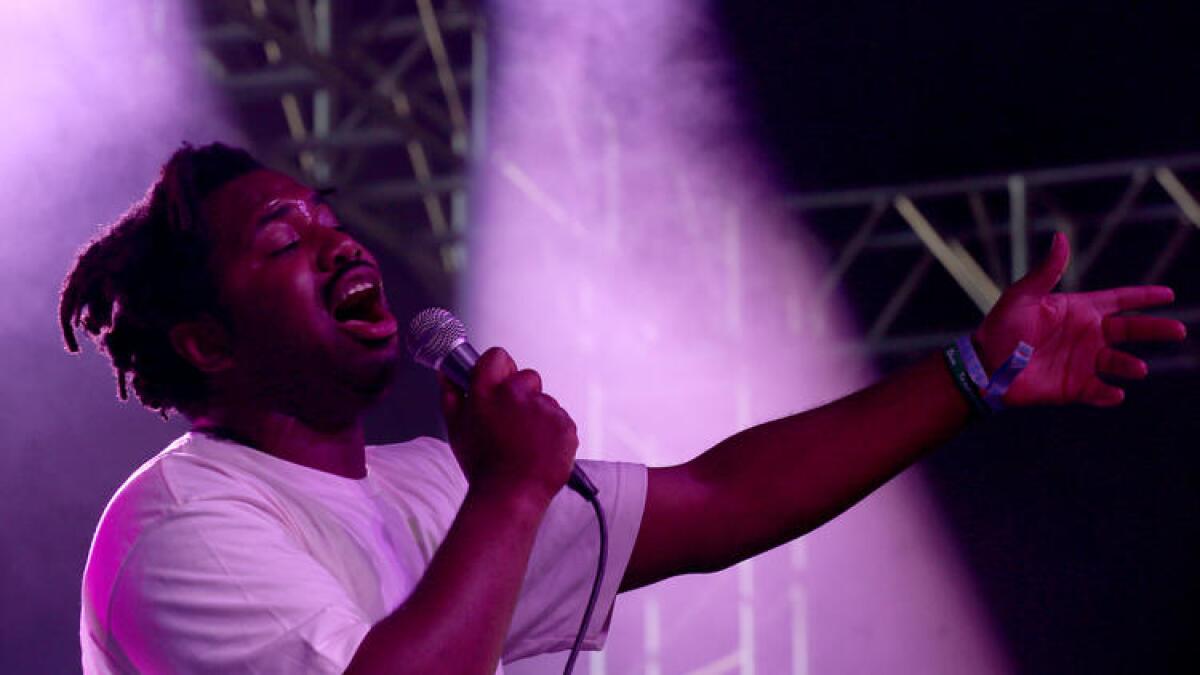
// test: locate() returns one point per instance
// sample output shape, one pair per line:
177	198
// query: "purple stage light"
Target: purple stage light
629	246
95	96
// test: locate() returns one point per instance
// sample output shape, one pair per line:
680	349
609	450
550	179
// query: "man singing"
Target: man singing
270	539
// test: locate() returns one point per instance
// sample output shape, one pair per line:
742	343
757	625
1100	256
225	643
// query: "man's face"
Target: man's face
312	332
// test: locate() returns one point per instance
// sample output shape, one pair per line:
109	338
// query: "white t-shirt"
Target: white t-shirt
217	558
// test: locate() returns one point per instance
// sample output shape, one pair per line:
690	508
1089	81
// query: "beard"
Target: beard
326	388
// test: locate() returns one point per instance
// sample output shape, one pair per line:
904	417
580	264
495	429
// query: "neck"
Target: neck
338	449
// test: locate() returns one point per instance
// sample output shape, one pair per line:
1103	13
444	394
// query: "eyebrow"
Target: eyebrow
278	209
274	211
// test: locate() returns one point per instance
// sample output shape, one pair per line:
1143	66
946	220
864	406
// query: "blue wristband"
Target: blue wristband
1003	378
971	362
993	387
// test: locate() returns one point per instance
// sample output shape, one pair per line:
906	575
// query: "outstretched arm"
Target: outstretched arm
776	481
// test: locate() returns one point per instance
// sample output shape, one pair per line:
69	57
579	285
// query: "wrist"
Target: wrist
992	372
968	377
517	499
987	355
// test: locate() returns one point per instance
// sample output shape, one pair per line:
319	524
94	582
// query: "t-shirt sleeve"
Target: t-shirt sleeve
220	586
562	566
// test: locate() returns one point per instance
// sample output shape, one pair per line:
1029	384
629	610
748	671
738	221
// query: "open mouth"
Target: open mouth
358	307
362	302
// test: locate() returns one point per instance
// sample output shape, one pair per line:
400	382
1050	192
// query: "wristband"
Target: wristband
962	380
971	361
1003	378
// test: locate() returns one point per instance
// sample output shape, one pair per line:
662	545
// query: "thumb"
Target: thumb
1042	280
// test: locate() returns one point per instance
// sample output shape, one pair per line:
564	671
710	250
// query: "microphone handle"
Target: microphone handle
457	365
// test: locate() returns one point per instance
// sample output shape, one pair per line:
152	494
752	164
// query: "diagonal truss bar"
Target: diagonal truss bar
1169	252
333	75
1184	199
1103	207
433	36
900	298
970	277
346	110
853	248
1108	226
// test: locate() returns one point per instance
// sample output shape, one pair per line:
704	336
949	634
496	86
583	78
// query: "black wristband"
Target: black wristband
962	380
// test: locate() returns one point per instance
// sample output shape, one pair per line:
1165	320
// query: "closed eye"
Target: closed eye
284	249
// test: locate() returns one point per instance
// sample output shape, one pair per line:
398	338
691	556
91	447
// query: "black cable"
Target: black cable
439	340
590	495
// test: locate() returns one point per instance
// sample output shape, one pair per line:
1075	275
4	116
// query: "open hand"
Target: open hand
1072	335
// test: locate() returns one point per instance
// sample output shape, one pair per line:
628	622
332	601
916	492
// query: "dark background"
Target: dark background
1080	525
853	93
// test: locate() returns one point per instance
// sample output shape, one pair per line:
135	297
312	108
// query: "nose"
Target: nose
340	251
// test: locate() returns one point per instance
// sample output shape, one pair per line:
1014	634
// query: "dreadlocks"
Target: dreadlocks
148	271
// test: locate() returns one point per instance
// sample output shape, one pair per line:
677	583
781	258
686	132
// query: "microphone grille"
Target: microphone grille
432	334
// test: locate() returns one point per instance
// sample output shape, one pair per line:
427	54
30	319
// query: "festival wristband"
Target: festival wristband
1003	378
962	380
971	361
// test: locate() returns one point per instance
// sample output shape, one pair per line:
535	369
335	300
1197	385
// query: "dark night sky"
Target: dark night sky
853	93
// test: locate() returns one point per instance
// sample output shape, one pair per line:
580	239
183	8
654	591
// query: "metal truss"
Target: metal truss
1129	222
374	99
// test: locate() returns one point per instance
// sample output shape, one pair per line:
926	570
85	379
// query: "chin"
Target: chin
372	380
347	398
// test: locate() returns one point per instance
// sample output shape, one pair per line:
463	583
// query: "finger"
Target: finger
551	402
1118	329
1120	364
1131	298
492	368
1102	395
523	383
1046	276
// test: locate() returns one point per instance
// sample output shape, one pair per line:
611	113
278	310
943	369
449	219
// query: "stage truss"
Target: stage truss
373	99
921	263
378	101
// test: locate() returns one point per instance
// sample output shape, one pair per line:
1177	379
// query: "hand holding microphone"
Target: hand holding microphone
502	426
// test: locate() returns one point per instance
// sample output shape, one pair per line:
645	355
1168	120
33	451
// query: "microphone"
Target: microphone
437	339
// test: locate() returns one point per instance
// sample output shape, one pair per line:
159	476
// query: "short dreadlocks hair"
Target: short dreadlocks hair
148	271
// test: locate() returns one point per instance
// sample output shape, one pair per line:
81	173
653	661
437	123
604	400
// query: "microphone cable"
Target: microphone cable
438	340
590	494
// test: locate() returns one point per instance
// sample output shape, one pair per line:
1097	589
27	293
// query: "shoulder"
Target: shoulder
172	478
178	480
186	471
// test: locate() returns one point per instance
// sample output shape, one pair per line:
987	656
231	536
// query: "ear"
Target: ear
204	343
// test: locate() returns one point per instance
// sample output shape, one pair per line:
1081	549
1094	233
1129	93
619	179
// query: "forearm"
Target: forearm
457	617
776	481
